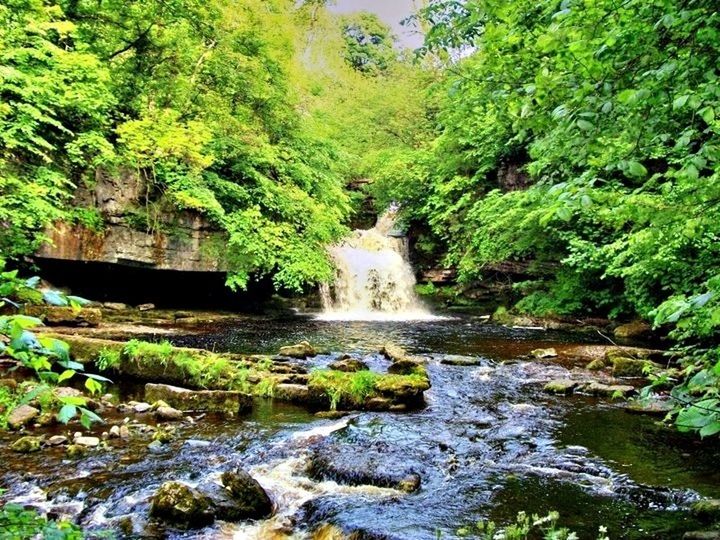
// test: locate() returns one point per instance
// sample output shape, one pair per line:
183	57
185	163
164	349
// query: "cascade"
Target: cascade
373	278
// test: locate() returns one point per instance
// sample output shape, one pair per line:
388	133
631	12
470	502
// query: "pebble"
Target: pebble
124	432
114	432
168	413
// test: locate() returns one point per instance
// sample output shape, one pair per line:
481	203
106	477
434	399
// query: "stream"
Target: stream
488	444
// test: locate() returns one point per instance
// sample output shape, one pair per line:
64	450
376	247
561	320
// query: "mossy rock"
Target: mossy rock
184	399
26	445
181	505
707	510
631	367
65	315
561	386
596	365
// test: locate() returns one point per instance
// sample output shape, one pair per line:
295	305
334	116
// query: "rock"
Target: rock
599	389
294	393
331	415
457	360
223	401
631	367
76	451
114	432
47	419
301	350
57	440
248	494
10	384
378	404
410	483
115	306
561	386
179	504
156	447
393	352
146	307
633	330
349	365
404	366
66	391
141	407
21	416
90	442
544	353
707	510
596	365
65	315
654	407
25	445
168	414
124	432
701	535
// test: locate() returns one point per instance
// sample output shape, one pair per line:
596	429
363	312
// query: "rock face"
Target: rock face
180	240
179	504
22	415
222	401
65	316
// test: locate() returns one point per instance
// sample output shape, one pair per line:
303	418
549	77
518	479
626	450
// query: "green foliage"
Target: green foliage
21	524
525	527
368	43
9	399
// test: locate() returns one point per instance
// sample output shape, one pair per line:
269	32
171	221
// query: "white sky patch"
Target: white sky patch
390	11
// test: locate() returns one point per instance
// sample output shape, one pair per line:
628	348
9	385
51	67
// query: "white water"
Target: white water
373	279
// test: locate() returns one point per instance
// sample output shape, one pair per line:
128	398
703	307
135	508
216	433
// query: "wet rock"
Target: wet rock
349	365
608	390
164	435
251	499
65	315
156	447
410	483
544	353
331	415
457	360
404	366
76	451
596	365
57	440
561	386
21	416
300	350
124	432
407	390
378	404
141	407
633	330
46	419
179	504
707	510
146	307
327	531
223	401
90	442
26	445
654	407
168	414
114	432
294	393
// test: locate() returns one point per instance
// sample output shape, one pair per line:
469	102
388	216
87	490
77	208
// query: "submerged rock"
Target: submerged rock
250	500
25	445
300	350
179	504
223	401
21	416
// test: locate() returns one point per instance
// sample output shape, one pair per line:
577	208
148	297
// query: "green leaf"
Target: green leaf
710	429
67	374
66	413
680	101
637	169
584	125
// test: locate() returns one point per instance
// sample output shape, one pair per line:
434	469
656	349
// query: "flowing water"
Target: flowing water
374	279
489	444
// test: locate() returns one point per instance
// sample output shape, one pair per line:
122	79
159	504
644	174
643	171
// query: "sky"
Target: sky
390	11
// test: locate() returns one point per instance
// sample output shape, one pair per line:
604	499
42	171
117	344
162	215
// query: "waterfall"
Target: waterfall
373	277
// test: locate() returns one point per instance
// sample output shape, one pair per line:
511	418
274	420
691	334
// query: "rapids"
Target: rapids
489	444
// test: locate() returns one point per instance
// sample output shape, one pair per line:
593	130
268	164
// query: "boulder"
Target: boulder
631	367
349	365
608	390
300	350
707	510
596	365
561	386
181	505
633	330
404	366
393	352
25	445
65	315
21	416
251	499
222	401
